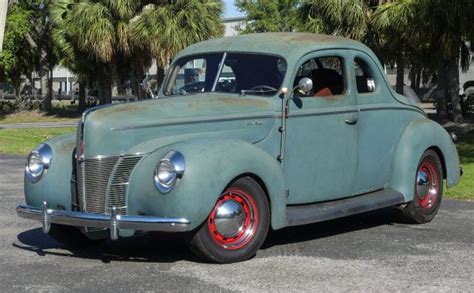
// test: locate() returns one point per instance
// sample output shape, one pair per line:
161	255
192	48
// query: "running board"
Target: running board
318	212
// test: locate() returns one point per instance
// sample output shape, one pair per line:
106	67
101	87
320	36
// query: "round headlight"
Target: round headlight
169	171
38	162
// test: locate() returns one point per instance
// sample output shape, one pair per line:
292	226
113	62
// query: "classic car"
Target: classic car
307	129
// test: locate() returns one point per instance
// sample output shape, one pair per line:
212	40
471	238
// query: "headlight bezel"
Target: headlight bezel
43	154
173	163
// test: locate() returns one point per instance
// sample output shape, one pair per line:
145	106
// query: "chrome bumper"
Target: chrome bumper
113	222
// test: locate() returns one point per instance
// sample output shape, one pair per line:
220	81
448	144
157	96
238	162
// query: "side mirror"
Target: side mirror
305	85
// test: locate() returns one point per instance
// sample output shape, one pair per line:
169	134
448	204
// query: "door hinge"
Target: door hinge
287	193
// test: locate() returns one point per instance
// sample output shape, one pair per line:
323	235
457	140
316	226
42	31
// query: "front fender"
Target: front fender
418	136
55	186
211	165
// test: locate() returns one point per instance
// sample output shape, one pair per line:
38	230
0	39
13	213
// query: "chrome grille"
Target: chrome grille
102	183
117	191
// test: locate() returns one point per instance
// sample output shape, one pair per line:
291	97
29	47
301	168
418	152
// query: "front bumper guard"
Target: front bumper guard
114	222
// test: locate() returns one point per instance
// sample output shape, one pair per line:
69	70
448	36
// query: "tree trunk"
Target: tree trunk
105	91
19	87
440	94
82	97
44	86
160	76
452	84
47	91
114	79
400	74
114	88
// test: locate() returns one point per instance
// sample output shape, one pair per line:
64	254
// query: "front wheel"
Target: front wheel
428	189
237	225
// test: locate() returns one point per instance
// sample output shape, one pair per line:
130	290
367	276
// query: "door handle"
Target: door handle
351	121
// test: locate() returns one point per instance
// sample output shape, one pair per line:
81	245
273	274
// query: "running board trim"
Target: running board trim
318	212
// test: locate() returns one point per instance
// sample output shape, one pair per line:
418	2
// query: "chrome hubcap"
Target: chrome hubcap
426	185
229	218
234	219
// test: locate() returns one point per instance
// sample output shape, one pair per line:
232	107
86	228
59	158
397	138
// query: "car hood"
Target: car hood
120	129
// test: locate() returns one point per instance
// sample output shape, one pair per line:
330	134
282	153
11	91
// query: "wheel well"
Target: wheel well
259	181
441	157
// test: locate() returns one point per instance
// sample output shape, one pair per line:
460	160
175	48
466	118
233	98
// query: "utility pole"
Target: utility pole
3	19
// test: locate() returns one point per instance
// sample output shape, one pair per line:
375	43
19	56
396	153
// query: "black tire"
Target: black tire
424	207
212	246
70	236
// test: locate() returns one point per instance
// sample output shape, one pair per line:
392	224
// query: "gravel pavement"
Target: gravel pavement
372	252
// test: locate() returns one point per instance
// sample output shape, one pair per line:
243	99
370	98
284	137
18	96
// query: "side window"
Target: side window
191	77
327	74
364	78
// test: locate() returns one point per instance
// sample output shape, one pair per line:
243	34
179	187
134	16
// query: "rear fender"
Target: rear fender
419	136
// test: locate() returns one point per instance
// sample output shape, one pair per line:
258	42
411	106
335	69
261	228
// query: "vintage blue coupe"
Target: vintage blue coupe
249	133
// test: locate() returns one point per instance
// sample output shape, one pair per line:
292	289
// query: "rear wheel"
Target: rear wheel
237	225
428	189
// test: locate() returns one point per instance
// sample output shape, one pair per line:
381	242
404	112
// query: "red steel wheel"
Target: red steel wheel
236	226
428	189
427	182
234	219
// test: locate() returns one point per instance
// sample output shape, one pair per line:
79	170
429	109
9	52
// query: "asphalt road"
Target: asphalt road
372	252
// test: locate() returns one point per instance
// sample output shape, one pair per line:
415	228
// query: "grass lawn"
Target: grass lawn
32	116
465	188
22	141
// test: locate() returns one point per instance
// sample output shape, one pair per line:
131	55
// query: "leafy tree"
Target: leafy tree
16	54
269	15
28	47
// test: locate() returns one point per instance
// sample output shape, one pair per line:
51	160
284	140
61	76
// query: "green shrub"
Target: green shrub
8	107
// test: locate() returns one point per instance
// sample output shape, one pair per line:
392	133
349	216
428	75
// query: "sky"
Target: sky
230	10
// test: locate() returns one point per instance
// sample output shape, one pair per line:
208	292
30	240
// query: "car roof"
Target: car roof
285	44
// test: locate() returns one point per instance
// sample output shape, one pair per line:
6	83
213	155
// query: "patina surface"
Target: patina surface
224	136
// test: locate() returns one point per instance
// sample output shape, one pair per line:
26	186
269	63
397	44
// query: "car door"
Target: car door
381	122
321	149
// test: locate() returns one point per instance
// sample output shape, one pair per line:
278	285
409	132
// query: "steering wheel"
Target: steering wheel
263	87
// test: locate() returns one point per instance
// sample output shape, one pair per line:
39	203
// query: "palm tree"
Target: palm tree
449	26
429	35
98	30
348	18
269	16
77	61
166	28
395	22
103	40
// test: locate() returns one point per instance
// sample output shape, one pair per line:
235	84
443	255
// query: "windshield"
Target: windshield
227	73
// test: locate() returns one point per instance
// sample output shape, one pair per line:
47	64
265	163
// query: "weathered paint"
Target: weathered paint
211	164
55	186
224	136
